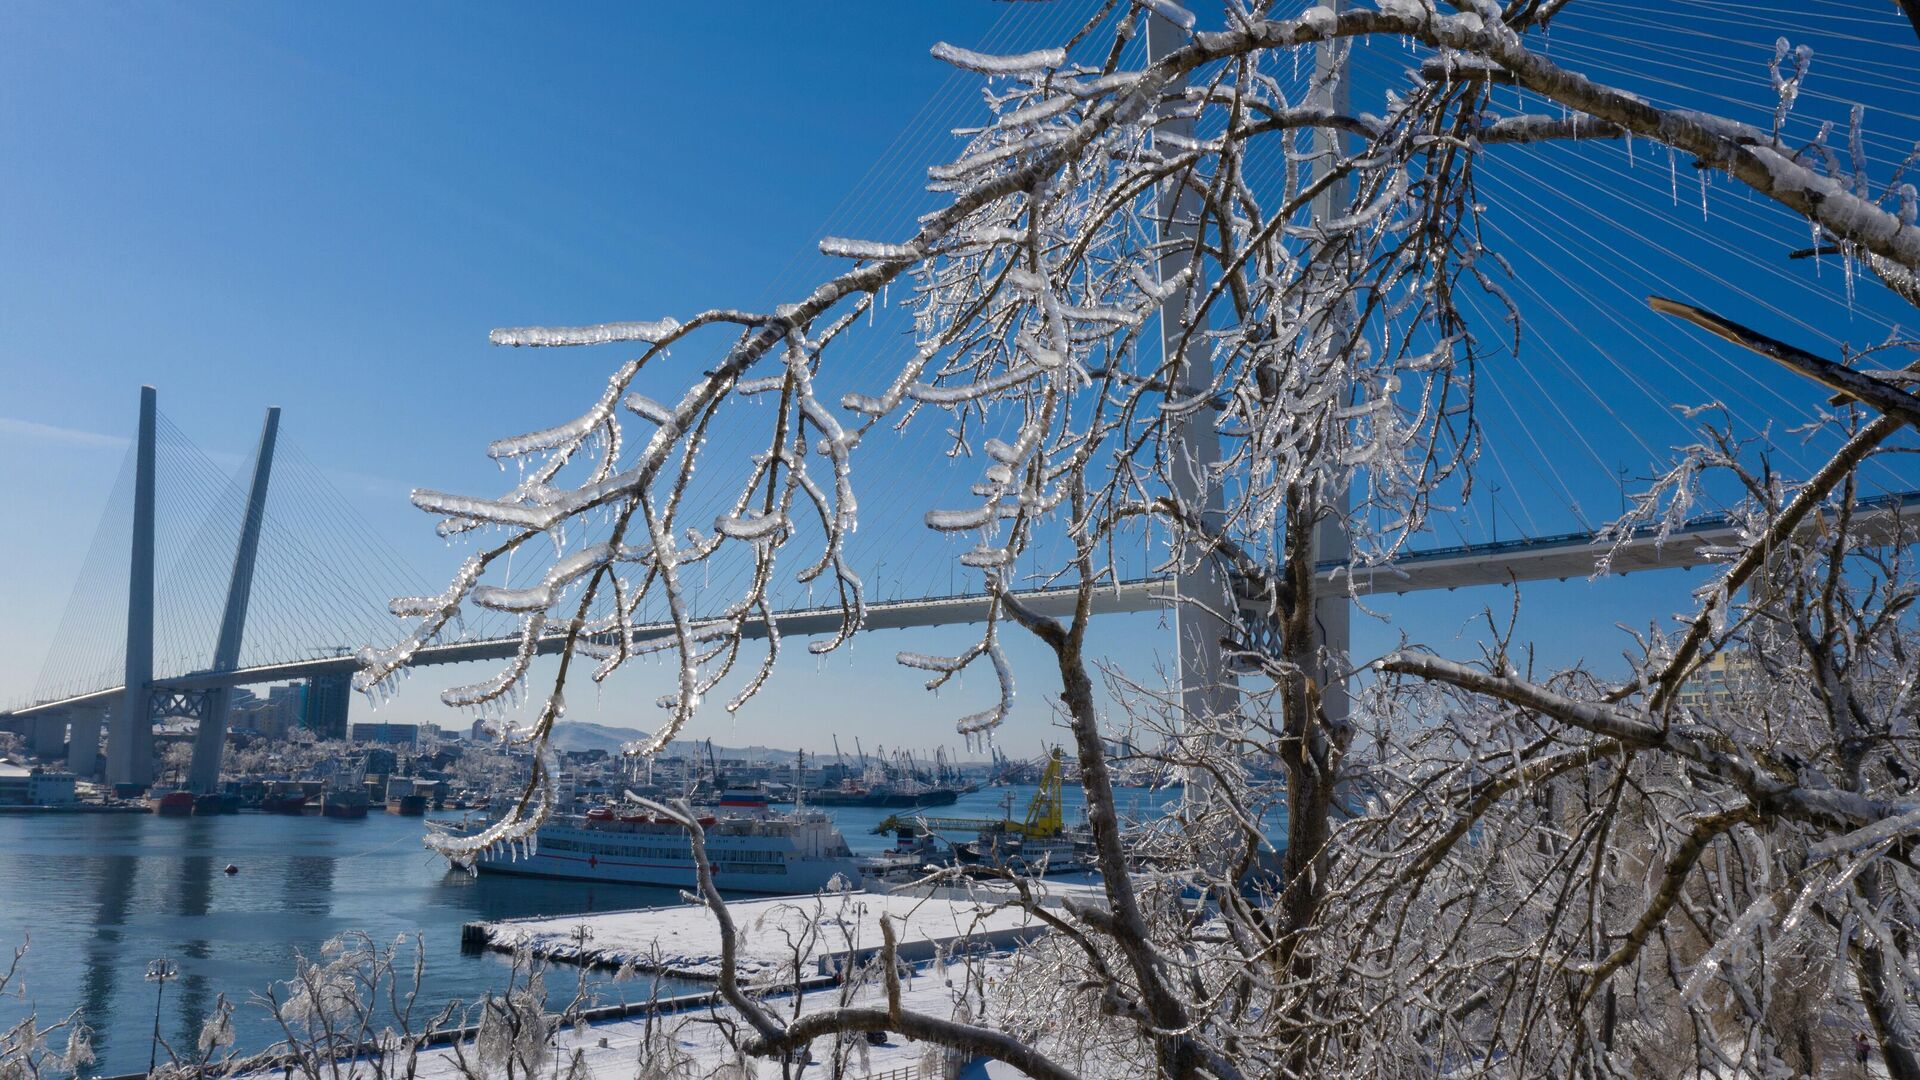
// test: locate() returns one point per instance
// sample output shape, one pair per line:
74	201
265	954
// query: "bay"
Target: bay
97	897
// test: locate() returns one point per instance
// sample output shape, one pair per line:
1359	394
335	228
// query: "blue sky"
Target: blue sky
327	207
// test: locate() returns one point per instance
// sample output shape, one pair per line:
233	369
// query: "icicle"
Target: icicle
1673	174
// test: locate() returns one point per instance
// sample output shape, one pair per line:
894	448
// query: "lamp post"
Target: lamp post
158	972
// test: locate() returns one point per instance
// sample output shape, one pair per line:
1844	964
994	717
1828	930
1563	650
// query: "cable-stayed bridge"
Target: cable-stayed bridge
197	584
252	644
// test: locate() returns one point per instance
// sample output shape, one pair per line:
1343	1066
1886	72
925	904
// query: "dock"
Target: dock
818	935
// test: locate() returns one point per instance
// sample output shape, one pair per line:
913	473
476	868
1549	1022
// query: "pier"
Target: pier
784	938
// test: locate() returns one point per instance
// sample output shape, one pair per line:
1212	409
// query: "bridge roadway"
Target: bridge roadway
1698	542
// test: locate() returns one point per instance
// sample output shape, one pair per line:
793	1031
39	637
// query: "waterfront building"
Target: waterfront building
22	786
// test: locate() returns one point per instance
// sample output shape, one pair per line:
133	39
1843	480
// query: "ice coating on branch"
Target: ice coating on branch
648	409
1732	938
1845	214
986	558
988	719
839	247
974	163
517	829
507	678
927	662
447	601
959	520
1880	832
535	441
651	332
749	527
1033	114
515	601
989	64
750	387
1170	11
490	511
541	596
1786	87
953	395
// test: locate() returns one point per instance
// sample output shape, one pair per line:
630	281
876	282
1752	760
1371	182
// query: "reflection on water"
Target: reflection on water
308	888
112	877
192	899
102	895
99	896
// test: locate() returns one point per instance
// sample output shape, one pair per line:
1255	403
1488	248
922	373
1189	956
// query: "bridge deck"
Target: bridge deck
1572	555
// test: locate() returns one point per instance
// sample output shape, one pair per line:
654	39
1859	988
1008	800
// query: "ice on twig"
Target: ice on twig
989	64
840	247
648	409
959	520
749	528
650	332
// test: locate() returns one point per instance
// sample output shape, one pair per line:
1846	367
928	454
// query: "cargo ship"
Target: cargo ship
344	805
749	848
406	798
216	803
898	795
291	797
170	803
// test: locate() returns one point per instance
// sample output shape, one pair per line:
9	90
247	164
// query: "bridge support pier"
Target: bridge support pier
83	739
130	734
210	742
48	737
1204	598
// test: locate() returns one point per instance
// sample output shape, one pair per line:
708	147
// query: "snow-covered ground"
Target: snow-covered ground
694	1042
777	934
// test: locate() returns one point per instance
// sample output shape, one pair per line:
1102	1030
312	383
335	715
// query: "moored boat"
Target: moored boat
407	798
748	849
215	803
344	805
902	795
170	803
1025	854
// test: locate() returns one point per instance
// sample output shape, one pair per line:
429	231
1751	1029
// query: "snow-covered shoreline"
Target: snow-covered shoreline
781	937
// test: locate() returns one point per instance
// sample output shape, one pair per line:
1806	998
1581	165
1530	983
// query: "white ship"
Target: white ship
750	850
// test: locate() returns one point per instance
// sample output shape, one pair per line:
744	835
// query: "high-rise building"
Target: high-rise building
328	697
1726	680
392	734
286	710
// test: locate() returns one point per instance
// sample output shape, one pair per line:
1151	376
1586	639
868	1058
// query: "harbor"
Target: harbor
137	887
